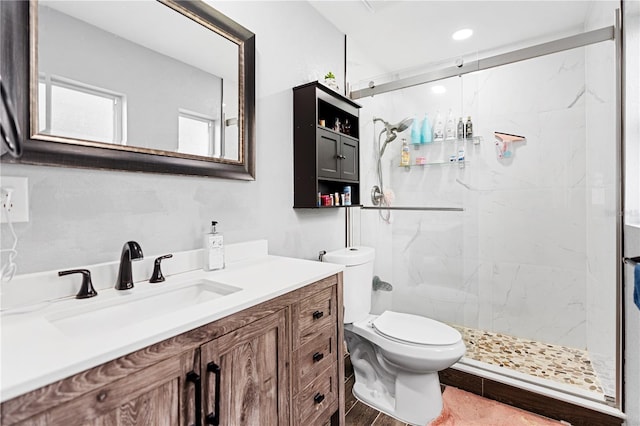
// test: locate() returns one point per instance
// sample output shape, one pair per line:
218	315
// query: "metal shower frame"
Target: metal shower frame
609	33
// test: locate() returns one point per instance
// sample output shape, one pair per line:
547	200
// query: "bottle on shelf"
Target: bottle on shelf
415	132
346	127
450	128
405	158
438	128
426	133
460	131
468	129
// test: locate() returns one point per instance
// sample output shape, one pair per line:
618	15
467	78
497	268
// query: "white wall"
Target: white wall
81	217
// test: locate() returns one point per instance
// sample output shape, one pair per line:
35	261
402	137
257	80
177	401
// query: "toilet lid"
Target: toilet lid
415	329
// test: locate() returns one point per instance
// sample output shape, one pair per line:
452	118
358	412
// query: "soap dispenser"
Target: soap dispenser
213	253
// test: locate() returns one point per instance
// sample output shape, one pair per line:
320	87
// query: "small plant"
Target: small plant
330	75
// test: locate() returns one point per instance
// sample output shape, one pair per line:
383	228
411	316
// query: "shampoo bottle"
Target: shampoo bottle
405	158
213	249
450	128
415	132
438	128
468	130
460	129
426	135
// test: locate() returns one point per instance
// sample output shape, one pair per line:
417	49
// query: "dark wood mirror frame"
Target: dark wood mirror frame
15	71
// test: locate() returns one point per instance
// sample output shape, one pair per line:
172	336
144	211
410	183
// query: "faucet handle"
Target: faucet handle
86	290
157	276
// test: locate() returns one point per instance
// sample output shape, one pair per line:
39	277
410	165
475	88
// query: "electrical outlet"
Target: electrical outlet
18	202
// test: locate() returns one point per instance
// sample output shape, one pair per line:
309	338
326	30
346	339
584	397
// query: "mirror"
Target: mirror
160	86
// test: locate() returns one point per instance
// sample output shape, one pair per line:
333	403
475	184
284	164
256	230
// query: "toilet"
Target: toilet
396	356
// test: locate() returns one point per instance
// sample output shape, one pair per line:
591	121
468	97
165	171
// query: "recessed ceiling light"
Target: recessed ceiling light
438	89
462	34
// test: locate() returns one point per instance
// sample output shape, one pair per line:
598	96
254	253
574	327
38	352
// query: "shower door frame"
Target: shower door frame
610	33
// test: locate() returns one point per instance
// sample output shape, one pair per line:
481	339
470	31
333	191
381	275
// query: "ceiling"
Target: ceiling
385	36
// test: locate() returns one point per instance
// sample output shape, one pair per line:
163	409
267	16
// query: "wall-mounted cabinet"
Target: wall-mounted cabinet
325	145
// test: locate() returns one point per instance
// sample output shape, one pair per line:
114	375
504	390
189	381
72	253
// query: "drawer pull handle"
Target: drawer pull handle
194	378
318	398
318	315
214	418
318	356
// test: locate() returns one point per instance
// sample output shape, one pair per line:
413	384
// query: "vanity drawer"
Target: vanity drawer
311	359
317	398
312	314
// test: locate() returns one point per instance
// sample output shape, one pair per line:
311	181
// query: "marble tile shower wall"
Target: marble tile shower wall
515	260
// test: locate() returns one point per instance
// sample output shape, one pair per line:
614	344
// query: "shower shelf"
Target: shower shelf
460	164
476	140
443	157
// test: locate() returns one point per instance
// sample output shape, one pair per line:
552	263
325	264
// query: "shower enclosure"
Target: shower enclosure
515	243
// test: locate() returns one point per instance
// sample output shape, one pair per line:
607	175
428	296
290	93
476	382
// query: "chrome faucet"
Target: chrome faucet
130	251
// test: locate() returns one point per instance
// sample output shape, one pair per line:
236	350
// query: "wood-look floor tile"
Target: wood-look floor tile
349	399
384	420
361	415
348	367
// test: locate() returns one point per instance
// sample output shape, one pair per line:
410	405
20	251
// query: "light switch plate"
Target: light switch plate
19	198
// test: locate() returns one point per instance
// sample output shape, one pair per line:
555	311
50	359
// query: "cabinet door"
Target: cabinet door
247	380
159	395
328	154
350	158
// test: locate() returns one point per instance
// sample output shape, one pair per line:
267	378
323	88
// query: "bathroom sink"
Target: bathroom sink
127	309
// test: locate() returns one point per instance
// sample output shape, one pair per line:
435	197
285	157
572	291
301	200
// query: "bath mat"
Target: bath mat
466	409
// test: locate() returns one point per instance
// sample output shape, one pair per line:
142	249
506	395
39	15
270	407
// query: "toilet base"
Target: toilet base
417	401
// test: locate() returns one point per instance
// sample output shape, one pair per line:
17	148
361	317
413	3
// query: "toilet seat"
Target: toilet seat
415	329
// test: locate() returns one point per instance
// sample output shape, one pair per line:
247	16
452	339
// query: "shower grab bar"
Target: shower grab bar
421	209
631	260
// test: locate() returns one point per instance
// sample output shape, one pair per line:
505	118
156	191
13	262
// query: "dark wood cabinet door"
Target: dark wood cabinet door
350	158
252	374
329	161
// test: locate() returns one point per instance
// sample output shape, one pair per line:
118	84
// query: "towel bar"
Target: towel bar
631	260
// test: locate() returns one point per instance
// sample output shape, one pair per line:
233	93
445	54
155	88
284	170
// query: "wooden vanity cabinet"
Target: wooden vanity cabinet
248	370
157	395
277	363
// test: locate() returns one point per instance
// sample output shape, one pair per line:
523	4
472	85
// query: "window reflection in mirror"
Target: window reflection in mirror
134	74
78	111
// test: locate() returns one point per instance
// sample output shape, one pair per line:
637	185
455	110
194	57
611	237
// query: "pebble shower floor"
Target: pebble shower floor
561	364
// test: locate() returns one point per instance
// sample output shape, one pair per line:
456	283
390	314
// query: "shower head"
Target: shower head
398	127
392	130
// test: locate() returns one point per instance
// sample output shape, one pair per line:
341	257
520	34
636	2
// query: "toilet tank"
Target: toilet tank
357	280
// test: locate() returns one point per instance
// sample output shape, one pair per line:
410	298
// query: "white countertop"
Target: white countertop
35	353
